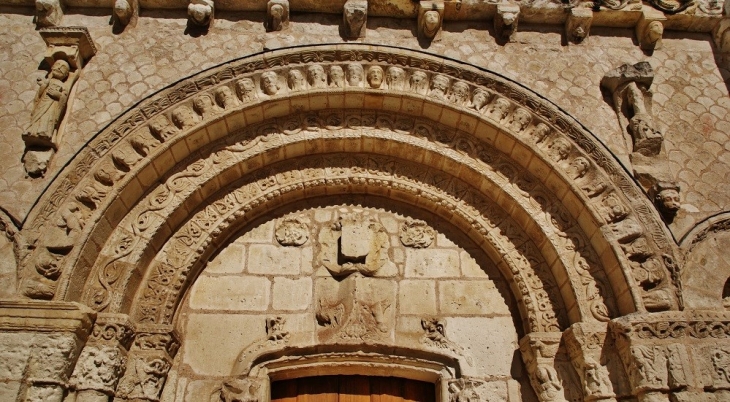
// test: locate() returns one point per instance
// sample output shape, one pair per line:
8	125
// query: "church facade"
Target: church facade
364	200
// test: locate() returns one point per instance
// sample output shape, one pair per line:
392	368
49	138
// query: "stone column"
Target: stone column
103	359
539	350
39	341
584	342
149	361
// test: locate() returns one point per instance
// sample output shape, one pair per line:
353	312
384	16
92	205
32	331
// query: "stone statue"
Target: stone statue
337	77
375	77
50	106
270	83
355	19
316	76
354	75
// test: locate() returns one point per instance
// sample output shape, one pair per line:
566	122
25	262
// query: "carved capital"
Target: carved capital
144	376
505	21
156	338
99	368
430	19
113	329
585	343
539	350
277	15
578	24
650	28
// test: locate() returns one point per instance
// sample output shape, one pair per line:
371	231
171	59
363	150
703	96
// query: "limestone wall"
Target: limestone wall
256	278
690	102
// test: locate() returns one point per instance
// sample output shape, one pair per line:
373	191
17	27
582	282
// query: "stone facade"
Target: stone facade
200	199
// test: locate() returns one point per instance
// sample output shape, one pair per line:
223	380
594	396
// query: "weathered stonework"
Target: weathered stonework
279	201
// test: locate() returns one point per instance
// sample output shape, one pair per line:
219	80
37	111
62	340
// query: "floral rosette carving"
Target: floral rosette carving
416	233
292	232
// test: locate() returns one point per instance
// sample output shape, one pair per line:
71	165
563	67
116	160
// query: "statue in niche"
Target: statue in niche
375	77
354	75
270	83
419	82
355	19
337	77
50	106
224	97
246	90
316	76
295	80
439	86
395	77
666	199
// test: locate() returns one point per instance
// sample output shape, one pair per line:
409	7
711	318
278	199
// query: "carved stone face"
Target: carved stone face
245	89
316	76
654	32
60	70
431	23
337	77
460	92
668	200
296	80
520	119
270	83
224	97
479	99
123	11
183	117
203	104
419	81
375	76
395	77
277	16
439	85
354	75
200	13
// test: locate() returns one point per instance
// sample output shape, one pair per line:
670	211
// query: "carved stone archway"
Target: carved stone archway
126	227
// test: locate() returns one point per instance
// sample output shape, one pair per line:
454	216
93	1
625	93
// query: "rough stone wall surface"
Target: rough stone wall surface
691	100
255	278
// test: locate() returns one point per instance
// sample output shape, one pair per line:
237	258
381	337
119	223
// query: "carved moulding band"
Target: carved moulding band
715	224
153	135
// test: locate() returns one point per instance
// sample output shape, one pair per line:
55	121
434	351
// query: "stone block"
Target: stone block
470	267
490	342
230	260
263	233
417	297
213	341
236	293
14	354
471	297
292	294
273	260
432	263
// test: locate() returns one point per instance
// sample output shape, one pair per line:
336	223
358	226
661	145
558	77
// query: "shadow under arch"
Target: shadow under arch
596	204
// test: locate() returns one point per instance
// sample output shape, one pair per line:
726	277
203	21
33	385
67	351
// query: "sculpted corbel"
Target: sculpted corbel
539	351
355	19
430	19
578	24
48	13
149	361
505	21
125	13
666	199
650	28
201	12
277	15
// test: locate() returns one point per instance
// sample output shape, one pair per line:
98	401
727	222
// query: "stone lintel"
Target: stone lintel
73	44
38	316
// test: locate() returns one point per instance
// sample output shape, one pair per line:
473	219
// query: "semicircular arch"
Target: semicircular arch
464	123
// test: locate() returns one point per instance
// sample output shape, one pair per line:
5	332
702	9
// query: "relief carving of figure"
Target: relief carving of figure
666	199
548	383
479	99
161	128
144	378
224	97
240	390
459	93
295	80
50	105
246	90
337	77
316	76
183	117
270	83
292	232
204	106
375	77
540	132
395	77
278	15
439	86
521	118
498	109
419	82
354	75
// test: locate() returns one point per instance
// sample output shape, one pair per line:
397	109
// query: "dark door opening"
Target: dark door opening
353	388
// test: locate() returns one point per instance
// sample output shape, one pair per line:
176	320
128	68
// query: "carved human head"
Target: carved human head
419	81
123	11
355	15
158	125
270	83
460	92
395	77
203	104
295	79
375	76
440	84
337	77
200	13
316	76
431	23
354	74
245	88
60	70
277	16
224	97
666	198
183	117
520	119
479	99
654	32
580	166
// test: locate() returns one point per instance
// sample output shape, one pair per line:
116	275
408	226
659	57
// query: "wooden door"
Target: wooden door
355	388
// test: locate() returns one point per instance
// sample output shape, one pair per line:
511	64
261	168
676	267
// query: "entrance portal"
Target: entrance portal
356	388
